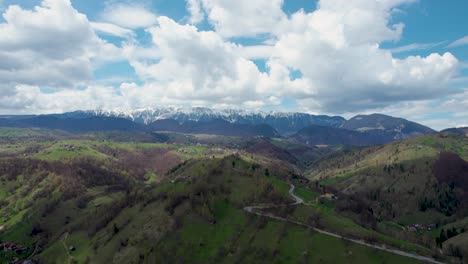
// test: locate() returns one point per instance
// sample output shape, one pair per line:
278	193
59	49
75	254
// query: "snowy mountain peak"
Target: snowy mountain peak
284	122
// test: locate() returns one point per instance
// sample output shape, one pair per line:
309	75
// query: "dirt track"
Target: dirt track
254	210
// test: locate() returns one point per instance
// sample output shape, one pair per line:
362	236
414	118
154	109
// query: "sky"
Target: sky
406	58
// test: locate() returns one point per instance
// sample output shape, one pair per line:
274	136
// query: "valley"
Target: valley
141	197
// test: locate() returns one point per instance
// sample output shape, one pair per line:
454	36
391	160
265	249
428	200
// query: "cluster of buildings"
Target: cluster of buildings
71	148
421	227
179	179
13	248
183	150
329	196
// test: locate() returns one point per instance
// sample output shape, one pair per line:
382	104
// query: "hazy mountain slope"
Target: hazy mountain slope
362	131
17	117
266	148
395	128
214	127
102	123
458	131
75	125
320	135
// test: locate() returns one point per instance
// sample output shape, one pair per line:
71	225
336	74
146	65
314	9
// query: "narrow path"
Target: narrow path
65	236
35	251
299	200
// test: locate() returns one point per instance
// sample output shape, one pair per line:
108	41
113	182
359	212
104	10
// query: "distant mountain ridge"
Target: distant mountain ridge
463	131
362	130
104	123
320	135
74	125
214	127
284	123
392	127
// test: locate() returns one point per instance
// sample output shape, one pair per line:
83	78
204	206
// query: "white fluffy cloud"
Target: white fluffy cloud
240	17
129	16
51	46
30	99
337	49
194	8
441	113
112	29
202	67
198	65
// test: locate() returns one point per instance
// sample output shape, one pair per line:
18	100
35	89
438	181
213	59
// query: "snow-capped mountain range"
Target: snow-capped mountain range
283	122
300	127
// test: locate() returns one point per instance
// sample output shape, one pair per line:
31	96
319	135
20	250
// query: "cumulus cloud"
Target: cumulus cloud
197	65
241	17
128	16
337	49
111	29
441	113
203	67
194	8
51	45
30	99
47	46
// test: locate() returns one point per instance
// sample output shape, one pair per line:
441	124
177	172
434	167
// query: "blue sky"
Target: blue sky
401	57
426	22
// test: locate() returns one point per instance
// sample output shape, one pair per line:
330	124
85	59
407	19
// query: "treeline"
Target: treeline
360	209
87	171
446	200
447	234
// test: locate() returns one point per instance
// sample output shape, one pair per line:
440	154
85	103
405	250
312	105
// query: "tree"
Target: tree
116	229
442	238
455	251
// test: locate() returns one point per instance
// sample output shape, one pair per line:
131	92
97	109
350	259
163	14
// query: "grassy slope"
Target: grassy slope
419	148
460	242
201	241
394	179
330	220
400	173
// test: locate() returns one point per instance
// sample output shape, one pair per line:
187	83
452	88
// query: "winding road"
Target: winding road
298	200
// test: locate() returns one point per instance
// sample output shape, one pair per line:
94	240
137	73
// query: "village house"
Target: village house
420	227
329	196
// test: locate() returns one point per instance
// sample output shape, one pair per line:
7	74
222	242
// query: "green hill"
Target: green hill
420	183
